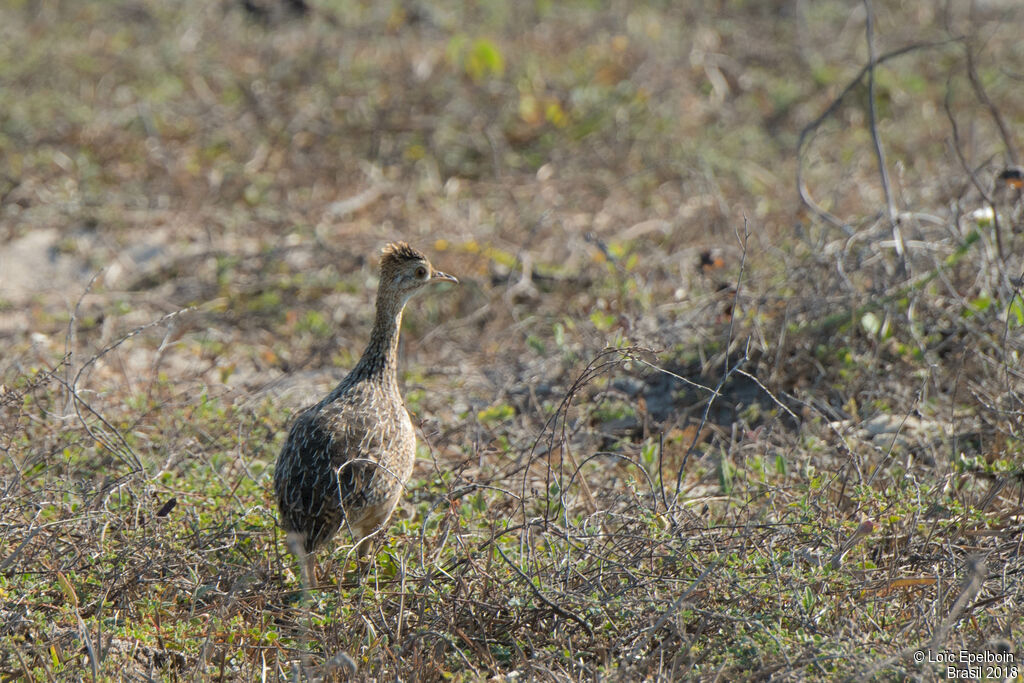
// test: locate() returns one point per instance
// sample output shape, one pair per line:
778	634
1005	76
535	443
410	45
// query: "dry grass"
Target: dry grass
680	421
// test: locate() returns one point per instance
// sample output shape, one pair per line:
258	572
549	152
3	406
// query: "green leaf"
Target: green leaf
1015	313
484	60
980	303
496	413
559	334
871	323
726	474
602	321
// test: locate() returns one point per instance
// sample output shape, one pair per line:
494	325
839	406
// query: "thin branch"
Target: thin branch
997	116
801	184
727	370
561	611
883	172
958	149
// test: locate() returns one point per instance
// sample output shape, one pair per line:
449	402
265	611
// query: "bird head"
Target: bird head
404	270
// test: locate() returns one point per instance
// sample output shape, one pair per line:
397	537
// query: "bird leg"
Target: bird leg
362	564
307	560
363	559
308	568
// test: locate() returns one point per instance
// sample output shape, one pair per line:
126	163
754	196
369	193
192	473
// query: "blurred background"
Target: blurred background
193	196
591	161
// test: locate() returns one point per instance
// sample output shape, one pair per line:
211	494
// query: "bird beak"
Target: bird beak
438	276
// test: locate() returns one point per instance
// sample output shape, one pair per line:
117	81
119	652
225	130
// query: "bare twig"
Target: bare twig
883	172
958	148
805	133
997	115
727	369
561	611
634	654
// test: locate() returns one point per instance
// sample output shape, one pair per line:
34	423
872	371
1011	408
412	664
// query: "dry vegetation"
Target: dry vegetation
685	418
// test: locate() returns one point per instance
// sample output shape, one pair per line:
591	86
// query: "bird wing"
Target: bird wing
303	477
330	471
361	442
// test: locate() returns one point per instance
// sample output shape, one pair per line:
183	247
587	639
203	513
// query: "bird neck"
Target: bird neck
380	359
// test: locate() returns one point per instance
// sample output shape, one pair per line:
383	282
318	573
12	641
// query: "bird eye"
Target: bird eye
421	272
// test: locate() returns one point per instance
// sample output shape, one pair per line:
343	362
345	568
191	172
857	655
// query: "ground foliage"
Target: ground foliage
686	417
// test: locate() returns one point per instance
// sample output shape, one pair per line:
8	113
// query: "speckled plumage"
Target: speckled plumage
347	458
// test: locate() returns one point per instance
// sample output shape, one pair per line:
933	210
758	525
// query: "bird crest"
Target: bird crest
400	252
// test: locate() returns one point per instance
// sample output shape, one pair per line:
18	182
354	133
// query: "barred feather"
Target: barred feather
347	459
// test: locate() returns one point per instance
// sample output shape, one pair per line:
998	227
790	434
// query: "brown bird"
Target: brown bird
347	458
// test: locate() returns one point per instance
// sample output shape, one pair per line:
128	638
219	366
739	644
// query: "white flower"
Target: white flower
983	216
